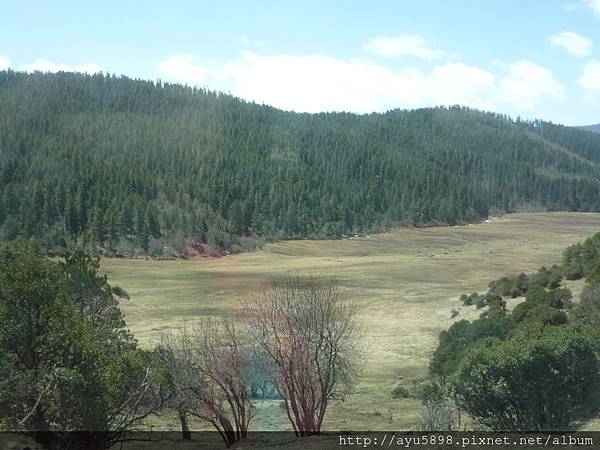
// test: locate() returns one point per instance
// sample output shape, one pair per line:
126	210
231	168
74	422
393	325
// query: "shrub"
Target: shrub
455	341
439	411
503	286
120	292
539	313
588	309
548	378
400	392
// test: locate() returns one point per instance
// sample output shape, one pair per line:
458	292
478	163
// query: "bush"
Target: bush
466	300
573	273
503	286
439	411
557	298
592	272
588	309
120	292
556	276
582	260
548	378
480	301
455	341
549	278
521	285
400	392
540	313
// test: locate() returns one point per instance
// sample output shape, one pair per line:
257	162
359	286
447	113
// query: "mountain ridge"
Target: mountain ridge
123	166
594	128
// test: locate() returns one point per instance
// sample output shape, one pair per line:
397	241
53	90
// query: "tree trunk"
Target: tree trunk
185	429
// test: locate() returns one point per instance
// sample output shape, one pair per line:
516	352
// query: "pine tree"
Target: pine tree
194	164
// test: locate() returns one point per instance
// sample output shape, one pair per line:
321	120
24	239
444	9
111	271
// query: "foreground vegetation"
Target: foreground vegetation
126	167
73	377
67	363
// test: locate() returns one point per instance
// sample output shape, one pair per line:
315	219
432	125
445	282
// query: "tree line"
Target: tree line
119	167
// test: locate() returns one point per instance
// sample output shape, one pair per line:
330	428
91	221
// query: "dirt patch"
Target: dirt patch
197	249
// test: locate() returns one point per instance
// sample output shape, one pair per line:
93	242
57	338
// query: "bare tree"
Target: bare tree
309	330
208	364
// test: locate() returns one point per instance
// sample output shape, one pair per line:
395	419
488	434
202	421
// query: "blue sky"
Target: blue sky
533	58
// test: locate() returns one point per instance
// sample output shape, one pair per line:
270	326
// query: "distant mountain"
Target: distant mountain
594	128
125	166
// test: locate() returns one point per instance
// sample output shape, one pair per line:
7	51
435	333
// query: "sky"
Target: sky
527	58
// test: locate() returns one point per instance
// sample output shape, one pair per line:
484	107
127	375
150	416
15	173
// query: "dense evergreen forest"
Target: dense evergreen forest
123	166
594	128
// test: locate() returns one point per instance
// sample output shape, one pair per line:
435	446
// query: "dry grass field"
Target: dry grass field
406	281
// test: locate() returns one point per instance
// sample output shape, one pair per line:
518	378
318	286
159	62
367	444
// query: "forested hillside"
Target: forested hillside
123	166
594	128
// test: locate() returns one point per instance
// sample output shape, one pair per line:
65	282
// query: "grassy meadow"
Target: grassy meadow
406	282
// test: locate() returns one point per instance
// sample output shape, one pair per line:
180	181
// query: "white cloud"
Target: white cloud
43	65
315	83
403	45
594	5
590	79
245	40
573	43
88	68
321	83
457	83
183	67
526	85
309	83
4	63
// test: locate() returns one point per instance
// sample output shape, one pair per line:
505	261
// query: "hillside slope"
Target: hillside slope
117	164
595	128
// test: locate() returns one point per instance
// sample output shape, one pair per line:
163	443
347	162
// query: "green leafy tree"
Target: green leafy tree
539	379
541	313
456	341
68	364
